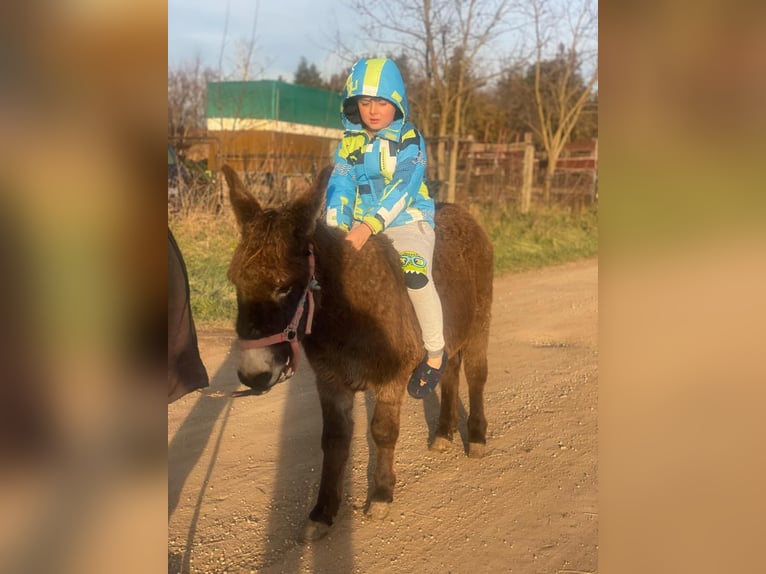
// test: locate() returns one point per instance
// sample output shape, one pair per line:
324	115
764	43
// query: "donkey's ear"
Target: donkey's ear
309	206
245	206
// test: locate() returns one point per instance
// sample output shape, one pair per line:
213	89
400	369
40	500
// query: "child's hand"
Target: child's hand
358	236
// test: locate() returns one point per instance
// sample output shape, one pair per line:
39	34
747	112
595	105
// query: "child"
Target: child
378	186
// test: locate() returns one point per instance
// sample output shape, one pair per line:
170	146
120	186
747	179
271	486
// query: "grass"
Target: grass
541	238
521	241
207	243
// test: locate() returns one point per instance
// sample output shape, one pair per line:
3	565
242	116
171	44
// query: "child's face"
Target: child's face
376	113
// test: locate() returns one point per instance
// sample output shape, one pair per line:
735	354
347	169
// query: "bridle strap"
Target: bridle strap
290	333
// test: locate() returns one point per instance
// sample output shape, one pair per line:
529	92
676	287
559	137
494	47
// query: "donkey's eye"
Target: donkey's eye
282	292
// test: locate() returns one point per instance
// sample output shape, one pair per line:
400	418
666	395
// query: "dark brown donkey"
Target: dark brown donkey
298	280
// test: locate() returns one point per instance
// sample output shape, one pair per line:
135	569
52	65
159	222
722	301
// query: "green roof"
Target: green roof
274	100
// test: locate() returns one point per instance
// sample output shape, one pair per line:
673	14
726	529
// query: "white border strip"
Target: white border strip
234	124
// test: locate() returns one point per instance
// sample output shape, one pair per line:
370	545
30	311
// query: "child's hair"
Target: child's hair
351	110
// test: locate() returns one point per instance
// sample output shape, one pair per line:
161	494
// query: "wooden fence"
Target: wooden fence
487	174
492	174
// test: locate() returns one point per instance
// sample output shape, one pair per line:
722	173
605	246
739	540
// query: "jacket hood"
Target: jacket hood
375	77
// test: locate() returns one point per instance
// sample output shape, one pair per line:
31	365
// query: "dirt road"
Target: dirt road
243	471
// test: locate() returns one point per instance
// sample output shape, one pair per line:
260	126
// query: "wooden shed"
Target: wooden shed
272	128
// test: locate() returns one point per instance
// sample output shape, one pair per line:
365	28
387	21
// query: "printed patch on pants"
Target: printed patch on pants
415	269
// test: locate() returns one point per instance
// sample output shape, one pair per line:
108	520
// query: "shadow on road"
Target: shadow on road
296	485
296	474
189	442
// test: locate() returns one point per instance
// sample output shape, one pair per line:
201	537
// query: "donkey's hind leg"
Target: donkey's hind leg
447	425
337	429
475	365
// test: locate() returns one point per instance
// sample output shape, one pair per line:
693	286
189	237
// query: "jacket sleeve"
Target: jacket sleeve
341	192
406	183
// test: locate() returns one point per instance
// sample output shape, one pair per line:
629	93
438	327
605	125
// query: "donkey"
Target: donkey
298	280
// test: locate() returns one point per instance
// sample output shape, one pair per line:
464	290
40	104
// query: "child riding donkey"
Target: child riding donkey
378	186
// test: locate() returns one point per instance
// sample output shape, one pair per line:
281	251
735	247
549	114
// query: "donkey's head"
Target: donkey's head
272	271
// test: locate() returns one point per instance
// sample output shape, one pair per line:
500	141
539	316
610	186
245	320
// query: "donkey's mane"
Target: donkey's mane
262	235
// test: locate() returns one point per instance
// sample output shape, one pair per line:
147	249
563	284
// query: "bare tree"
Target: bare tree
561	96
446	40
187	84
187	91
241	63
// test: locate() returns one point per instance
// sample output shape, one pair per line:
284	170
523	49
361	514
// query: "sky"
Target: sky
285	31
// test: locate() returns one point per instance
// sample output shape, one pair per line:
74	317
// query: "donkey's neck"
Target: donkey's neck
365	327
358	286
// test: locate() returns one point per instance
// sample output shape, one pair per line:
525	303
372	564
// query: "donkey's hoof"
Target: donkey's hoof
441	444
378	509
476	449
314	531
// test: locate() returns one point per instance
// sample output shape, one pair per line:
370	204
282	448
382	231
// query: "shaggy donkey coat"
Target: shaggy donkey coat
364	333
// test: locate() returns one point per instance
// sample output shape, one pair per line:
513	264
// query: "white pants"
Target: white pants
415	243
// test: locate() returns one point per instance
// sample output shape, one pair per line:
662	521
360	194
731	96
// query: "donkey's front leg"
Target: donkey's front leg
337	429
385	432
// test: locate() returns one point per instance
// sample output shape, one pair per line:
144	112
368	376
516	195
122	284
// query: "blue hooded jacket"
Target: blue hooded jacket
378	180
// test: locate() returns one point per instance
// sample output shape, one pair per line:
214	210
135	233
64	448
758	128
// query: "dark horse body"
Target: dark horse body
364	333
186	372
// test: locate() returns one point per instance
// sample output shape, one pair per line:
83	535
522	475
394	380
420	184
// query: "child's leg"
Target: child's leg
415	244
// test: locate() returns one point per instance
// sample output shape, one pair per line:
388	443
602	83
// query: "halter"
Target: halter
290	333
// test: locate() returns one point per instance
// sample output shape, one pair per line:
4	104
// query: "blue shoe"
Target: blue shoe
425	378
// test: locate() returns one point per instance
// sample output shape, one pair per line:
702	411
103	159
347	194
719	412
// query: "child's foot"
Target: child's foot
427	375
435	362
